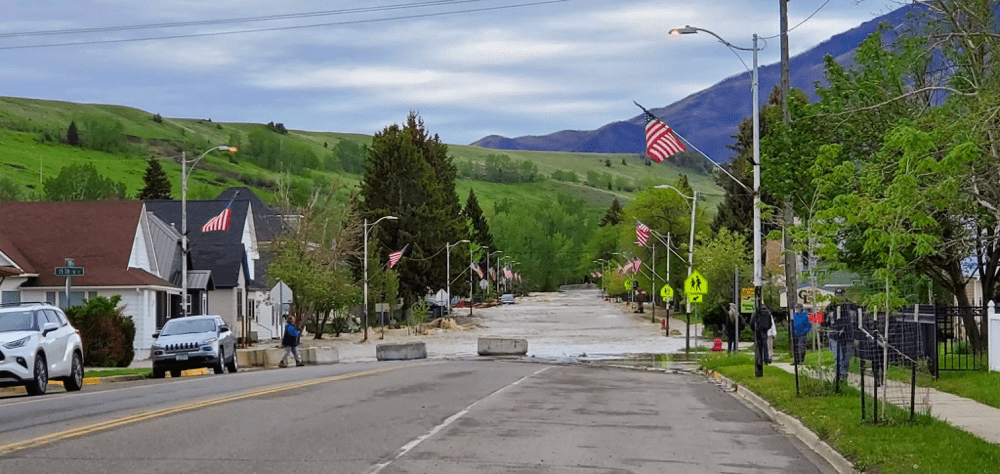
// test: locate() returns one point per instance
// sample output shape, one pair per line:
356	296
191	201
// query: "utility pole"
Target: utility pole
788	217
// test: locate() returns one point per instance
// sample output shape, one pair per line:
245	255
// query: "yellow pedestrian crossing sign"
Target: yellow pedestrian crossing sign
693	298
628	285
695	284
666	292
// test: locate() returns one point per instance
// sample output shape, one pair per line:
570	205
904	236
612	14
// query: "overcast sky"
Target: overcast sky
471	68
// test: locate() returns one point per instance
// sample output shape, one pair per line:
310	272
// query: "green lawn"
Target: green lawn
926	445
113	372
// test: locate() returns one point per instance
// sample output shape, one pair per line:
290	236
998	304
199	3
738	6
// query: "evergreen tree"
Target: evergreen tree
480	228
157	186
411	176
614	215
72	134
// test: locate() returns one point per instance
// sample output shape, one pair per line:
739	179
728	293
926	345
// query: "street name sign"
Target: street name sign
69	271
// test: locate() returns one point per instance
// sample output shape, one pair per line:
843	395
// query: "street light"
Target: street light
757	270
184	230
447	248
364	317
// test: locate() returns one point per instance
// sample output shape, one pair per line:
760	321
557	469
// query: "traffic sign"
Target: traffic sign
696	284
69	271
746	300
694	298
628	285
666	292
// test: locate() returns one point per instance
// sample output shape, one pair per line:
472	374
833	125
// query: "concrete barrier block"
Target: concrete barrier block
272	357
320	355
491	346
251	357
401	351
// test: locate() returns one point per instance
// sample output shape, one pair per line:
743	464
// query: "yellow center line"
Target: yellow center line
106	425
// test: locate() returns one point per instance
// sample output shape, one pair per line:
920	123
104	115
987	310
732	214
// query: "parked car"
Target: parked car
507	298
38	344
191	343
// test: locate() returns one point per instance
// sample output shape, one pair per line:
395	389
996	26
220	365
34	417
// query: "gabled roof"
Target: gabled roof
12	262
98	235
198	213
226	261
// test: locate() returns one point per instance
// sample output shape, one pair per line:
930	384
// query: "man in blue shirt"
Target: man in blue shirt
800	328
291	343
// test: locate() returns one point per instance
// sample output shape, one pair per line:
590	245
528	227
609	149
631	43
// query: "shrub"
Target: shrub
107	334
157	118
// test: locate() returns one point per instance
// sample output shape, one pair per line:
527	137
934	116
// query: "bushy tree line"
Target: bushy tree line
565	176
270	150
500	169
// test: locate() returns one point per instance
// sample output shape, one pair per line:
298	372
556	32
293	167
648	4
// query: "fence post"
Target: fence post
993	336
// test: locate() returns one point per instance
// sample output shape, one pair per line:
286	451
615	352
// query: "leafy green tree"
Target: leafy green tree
82	183
410	176
308	259
157	186
350	157
103	134
10	190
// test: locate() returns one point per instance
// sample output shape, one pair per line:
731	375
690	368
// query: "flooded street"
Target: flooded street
563	326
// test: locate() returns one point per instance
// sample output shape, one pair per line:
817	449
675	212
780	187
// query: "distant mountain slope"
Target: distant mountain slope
709	118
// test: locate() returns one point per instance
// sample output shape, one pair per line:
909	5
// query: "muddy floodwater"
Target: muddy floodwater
561	326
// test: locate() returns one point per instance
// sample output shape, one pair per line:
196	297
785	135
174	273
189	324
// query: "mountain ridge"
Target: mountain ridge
709	118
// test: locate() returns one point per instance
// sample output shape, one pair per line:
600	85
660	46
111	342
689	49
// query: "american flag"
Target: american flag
636	265
395	257
507	274
661	143
492	273
221	221
475	268
621	271
641	233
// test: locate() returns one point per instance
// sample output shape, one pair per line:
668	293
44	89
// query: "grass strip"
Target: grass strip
113	372
924	445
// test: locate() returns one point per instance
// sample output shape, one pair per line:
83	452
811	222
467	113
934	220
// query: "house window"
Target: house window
50	297
10	297
204	302
161	309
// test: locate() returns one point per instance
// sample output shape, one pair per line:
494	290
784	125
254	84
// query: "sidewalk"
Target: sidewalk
968	415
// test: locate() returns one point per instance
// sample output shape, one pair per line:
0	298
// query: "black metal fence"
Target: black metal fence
955	349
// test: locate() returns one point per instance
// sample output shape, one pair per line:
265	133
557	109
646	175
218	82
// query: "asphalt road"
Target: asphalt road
462	414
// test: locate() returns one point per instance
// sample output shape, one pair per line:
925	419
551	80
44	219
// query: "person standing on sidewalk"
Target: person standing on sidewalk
290	341
800	329
732	329
771	334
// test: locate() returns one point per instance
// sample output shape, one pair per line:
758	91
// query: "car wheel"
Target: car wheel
75	380
40	383
175	373
158	372
220	365
233	365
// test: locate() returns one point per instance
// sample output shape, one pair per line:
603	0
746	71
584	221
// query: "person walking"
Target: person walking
733	329
760	323
772	333
290	341
800	329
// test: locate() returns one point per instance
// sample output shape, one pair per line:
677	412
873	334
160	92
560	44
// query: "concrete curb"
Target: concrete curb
108	379
789	423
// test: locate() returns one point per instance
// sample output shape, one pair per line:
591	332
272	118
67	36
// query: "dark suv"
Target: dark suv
193	342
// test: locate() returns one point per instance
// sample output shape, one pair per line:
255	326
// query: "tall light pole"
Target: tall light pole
755	87
488	268
364	317
447	248
184	229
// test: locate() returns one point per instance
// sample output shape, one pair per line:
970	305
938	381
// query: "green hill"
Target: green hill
32	149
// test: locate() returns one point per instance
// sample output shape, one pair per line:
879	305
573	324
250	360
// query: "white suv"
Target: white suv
37	343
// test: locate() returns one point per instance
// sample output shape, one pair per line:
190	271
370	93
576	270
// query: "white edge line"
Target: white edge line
451	419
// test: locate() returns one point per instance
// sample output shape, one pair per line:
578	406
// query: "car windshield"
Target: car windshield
182	326
17	321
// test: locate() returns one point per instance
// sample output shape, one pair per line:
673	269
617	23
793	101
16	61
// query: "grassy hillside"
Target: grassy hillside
30	152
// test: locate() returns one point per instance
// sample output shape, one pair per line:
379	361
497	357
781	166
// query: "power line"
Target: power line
344	11
293	27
